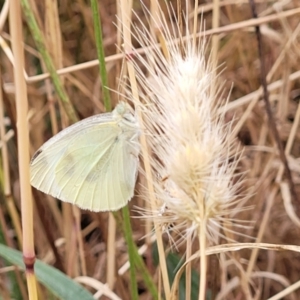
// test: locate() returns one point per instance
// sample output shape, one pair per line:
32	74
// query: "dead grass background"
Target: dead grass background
72	46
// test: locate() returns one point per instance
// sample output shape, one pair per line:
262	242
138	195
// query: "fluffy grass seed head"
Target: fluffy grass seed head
194	156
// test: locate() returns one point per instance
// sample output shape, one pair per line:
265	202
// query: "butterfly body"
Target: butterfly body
92	163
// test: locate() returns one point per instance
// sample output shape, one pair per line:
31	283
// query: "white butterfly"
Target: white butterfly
92	163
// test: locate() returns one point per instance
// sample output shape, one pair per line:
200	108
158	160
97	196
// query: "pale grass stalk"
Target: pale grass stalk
154	9
51	104
215	38
286	292
102	289
148	223
210	6
100	54
112	224
135	94
15	26
54	45
257	157
111	251
203	260
202	238
70	241
188	269
53	33
77	217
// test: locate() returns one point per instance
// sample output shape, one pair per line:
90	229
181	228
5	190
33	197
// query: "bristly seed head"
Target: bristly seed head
192	148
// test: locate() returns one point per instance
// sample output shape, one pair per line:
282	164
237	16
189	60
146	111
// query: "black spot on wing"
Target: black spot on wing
35	155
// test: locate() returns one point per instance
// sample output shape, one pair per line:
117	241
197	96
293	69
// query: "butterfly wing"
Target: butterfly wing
111	184
84	165
121	183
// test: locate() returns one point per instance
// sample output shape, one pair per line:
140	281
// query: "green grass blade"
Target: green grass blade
57	282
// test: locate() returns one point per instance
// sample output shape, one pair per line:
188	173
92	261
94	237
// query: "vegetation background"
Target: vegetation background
68	32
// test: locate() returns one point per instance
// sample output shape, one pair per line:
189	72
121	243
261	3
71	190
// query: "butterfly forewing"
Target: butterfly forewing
45	160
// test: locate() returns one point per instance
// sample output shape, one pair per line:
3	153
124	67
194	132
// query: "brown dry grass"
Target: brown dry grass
75	55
